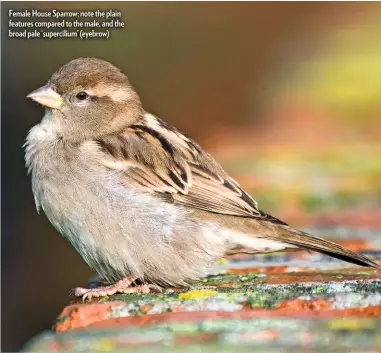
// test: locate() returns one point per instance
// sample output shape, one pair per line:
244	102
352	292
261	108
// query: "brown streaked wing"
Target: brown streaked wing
162	160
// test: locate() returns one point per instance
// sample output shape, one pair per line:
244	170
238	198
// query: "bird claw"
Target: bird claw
155	288
121	286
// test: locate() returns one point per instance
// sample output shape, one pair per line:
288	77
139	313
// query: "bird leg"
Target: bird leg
121	286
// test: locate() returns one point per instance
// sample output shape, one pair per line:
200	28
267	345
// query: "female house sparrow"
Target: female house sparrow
136	198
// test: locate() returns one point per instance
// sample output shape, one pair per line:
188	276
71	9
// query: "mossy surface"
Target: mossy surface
250	295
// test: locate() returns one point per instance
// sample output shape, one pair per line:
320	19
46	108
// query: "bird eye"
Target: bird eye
82	96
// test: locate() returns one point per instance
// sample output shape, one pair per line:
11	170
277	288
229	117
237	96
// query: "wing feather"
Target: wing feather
162	160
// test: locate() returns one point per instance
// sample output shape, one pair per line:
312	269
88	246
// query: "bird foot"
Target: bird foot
121	286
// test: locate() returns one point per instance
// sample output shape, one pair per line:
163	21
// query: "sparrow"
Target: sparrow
143	204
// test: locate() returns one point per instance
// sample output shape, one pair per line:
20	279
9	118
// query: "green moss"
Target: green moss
262	301
61	319
270	297
132	297
363	286
320	290
231	279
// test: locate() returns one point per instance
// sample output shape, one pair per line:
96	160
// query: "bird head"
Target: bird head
89	97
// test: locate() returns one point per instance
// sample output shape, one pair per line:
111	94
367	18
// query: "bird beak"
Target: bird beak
46	96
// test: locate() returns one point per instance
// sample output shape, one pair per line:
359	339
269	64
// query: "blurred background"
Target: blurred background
285	95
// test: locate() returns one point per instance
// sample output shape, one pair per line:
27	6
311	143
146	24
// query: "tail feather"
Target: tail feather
303	240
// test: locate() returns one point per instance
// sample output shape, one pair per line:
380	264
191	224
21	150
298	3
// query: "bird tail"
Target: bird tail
295	237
